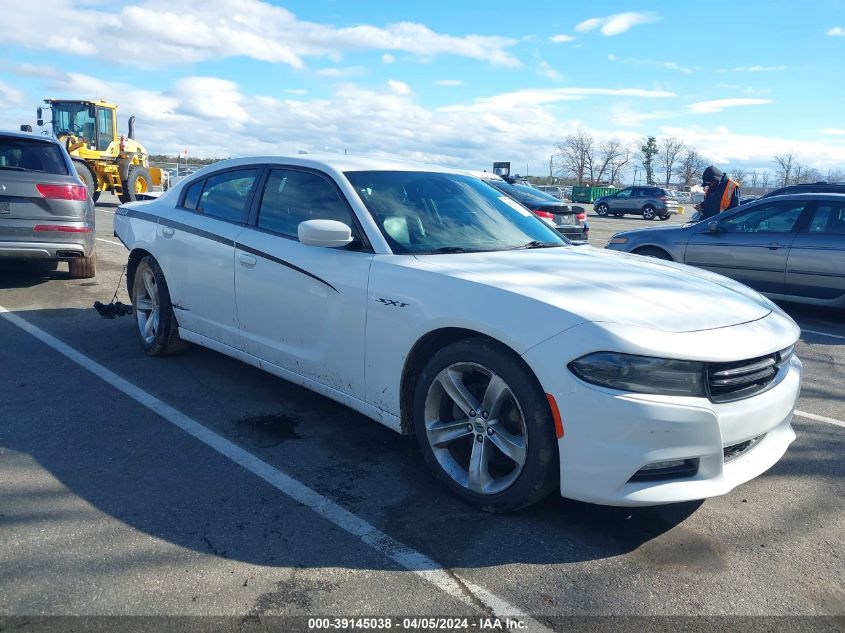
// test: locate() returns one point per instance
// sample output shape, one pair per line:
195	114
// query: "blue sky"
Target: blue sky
461	83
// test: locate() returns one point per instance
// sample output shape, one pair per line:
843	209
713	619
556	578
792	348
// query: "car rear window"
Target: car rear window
21	154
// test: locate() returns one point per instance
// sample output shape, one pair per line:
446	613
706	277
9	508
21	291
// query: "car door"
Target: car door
816	265
750	246
196	248
621	200
303	308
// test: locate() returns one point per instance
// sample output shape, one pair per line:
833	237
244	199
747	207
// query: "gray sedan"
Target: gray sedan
790	248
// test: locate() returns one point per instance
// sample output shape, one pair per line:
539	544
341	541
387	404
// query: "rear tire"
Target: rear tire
602	210
649	212
83	267
663	218
137	181
519	419
155	321
653	251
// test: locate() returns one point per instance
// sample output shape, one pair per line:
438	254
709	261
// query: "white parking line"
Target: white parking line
408	558
820	418
101	239
839	336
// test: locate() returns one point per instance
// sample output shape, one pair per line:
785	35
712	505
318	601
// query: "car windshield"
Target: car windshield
431	212
531	191
20	154
525	195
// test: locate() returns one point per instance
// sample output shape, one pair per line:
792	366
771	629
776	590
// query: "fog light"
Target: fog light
667	469
673	463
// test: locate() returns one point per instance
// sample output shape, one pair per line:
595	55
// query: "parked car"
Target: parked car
46	214
747	199
653	203
815	187
425	299
568	220
552	190
789	248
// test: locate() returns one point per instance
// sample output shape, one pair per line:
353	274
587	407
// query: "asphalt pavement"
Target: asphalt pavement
197	485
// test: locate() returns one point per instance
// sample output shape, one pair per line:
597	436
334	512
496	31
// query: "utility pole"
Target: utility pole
551	165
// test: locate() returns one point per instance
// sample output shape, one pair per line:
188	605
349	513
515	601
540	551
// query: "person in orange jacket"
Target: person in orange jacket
721	193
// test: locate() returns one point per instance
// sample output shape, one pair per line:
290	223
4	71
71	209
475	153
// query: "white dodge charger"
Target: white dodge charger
427	300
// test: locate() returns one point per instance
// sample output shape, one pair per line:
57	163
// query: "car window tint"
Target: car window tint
192	195
21	154
625	193
225	195
769	218
829	219
292	197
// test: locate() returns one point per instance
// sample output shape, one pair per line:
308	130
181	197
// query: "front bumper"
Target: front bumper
611	435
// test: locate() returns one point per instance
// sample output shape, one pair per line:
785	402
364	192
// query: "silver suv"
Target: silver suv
652	203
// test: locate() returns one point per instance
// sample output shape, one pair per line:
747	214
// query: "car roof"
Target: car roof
30	136
336	162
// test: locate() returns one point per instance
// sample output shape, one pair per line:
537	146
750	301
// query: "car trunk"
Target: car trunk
561	214
20	198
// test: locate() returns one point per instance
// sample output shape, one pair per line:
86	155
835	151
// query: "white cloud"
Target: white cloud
561	38
621	115
833	131
617	23
548	72
187	31
449	82
387	58
752	69
10	96
836	31
399	87
349	71
611	57
296	91
717	105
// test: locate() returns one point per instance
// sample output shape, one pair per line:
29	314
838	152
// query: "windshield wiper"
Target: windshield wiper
534	244
450	249
13	168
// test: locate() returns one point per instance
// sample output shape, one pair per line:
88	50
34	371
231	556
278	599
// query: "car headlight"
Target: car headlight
618	240
642	374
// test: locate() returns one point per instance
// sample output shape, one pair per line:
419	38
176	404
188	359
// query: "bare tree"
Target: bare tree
835	175
807	174
754	177
576	155
765	177
618	165
692	165
667	157
738	174
608	153
785	167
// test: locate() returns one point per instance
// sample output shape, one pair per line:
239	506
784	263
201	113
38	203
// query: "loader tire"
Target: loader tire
137	181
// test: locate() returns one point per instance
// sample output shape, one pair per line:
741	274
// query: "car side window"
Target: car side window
292	197
829	219
192	195
225	196
625	193
768	218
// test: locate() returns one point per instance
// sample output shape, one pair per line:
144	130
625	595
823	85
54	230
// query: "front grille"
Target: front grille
742	379
735	451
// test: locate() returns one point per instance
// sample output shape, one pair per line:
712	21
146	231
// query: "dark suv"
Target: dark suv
815	187
650	202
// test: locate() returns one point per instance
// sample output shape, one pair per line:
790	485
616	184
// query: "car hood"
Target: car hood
606	286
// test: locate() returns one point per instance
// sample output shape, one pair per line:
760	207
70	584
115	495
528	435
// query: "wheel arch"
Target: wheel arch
641	250
421	352
135	257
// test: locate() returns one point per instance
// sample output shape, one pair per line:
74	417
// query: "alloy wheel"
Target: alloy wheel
476	428
147	308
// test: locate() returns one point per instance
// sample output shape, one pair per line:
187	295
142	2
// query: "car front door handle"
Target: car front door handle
247	261
167	232
773	246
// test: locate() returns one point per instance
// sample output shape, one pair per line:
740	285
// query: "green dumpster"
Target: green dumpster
589	194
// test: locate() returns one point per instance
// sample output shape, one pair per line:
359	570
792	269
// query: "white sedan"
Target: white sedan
427	300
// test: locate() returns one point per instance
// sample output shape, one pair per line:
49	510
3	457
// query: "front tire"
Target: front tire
155	321
484	426
138	181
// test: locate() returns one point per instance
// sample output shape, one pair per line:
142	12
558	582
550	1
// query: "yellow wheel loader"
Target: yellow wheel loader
104	160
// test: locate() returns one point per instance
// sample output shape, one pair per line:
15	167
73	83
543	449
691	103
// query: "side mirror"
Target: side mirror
325	233
712	227
26	128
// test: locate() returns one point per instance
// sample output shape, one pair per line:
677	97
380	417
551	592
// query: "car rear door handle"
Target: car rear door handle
773	246
167	231
247	261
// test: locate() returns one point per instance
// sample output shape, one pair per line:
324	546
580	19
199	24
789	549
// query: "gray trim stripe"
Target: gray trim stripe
267	256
